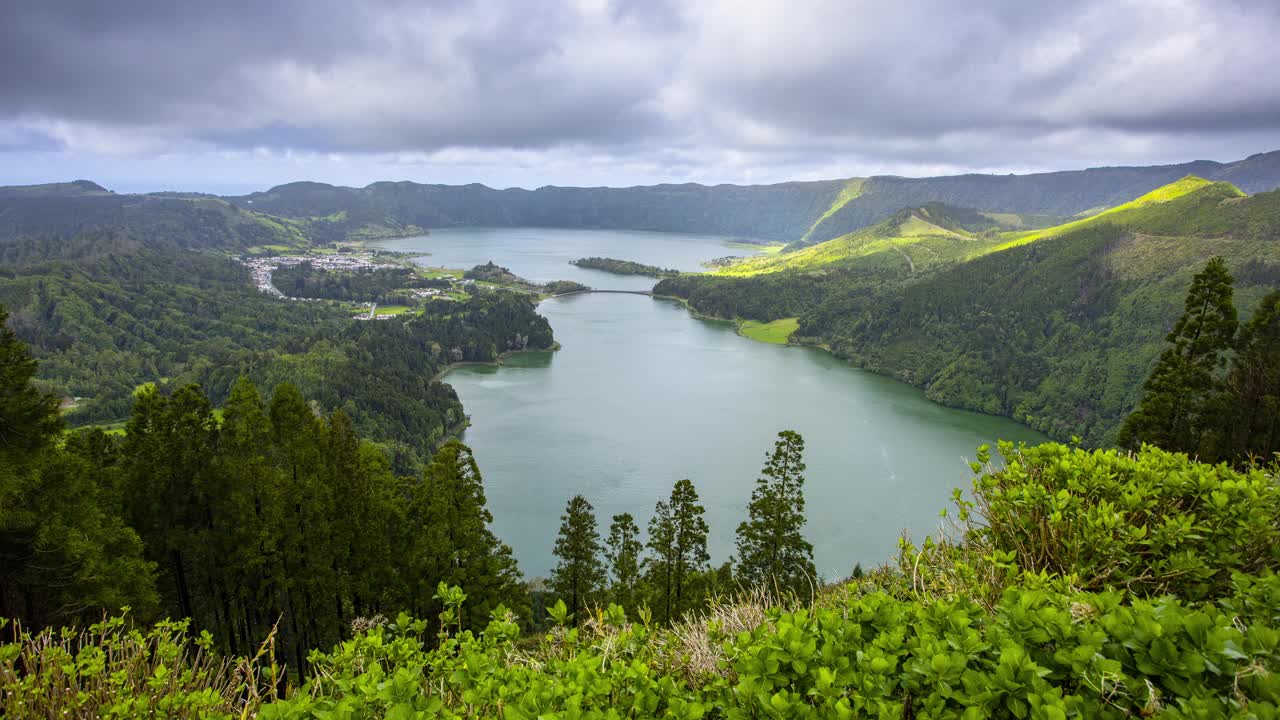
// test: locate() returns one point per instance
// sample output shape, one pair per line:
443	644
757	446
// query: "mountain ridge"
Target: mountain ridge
801	212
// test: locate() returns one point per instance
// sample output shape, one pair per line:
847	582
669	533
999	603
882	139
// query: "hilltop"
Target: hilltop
40	221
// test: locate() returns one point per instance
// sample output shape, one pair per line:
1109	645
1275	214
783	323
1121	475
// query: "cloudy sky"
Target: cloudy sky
243	94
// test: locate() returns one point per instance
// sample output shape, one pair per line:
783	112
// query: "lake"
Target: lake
543	254
643	394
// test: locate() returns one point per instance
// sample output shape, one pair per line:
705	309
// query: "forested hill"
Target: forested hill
758	211
30	215
1057	193
114	292
806	212
1056	328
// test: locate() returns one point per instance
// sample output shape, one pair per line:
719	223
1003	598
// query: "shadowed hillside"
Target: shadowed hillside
797	212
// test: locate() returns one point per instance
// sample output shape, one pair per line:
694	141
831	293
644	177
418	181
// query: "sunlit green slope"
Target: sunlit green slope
937	235
1193	199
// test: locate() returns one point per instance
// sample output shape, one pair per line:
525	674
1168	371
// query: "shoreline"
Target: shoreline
850	363
494	363
455	432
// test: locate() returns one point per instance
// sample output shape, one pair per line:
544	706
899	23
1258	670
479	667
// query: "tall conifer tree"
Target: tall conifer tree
579	575
623	552
1253	387
456	544
1177	408
65	551
772	550
678	539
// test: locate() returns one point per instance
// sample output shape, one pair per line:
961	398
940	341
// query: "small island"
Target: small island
623	267
564	287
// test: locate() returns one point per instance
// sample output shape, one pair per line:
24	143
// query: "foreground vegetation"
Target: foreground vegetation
1070	587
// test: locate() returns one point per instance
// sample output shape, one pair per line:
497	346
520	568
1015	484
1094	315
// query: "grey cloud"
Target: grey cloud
729	86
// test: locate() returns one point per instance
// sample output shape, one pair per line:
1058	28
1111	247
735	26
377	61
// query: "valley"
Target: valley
229	370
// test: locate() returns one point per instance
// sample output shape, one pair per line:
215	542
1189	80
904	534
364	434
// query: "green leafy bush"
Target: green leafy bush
1039	654
112	670
1151	523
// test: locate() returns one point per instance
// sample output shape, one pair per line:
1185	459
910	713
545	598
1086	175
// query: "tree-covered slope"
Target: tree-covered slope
30	215
781	211
915	238
936	234
1058	193
1056	328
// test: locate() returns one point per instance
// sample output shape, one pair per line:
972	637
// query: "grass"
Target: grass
772	248
1167	193
392	309
850	191
115	428
777	332
921	243
261	249
440	272
886	244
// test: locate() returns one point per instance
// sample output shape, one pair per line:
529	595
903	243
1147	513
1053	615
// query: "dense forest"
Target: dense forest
380	285
104	325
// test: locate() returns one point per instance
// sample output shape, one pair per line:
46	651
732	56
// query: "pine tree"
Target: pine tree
1176	412
455	543
307	508
29	419
1252	401
250	541
678	539
579	575
622	550
772	550
65	550
662	532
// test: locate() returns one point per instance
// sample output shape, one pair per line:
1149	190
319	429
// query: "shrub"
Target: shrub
111	670
1151	523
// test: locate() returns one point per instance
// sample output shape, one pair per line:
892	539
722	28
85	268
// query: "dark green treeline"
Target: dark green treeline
1215	392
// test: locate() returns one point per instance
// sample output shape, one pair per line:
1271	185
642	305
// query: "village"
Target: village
261	269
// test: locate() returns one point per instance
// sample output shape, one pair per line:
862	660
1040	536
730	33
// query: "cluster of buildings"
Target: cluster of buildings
424	293
262	267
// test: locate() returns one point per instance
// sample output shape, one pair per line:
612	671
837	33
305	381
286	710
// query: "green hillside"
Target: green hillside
1056	328
1186	219
939	235
800	213
851	190
30	215
914	238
